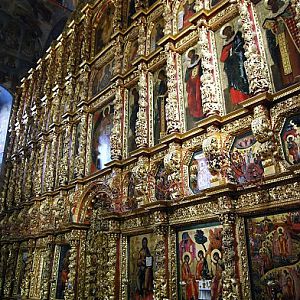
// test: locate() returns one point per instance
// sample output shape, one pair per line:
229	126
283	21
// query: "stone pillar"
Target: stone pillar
172	104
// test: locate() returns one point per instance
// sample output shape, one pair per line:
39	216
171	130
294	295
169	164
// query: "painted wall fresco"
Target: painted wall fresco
281	38
141	267
160	94
245	160
133	107
104	28
191	68
5	108
199	175
200	262
185	12
102	122
274	247
290	138
102	78
231	55
63	271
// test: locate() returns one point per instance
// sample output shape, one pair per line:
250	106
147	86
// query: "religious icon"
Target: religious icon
132	53
63	271
162	184
245	159
102	78
200	262
273	243
105	28
233	58
283	41
133	108
101	138
141	267
186	11
160	94
156	34
192	72
290	138
198	173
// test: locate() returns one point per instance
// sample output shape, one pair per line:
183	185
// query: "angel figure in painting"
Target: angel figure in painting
218	267
189	279
233	57
193	84
145	273
283	39
202	266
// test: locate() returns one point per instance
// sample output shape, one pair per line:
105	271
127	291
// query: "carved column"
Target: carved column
262	130
173	165
39	169
172	104
230	278
64	166
209	88
20	160
3	263
256	67
30	173
51	162
47	266
118	55
160	283
167	14
25	285
87	33
141	23
71	283
142	122
71	60
10	268
116	133
80	158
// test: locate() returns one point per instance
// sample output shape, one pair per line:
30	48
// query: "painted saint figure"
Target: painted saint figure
193	85
233	57
201	267
189	279
133	108
160	126
145	273
216	284
283	40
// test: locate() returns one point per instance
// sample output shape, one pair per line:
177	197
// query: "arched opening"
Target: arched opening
6	99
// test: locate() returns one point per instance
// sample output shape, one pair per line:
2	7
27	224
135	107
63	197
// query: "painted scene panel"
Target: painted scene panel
199	175
282	40
274	247
231	57
102	126
141	266
290	138
200	263
245	159
192	71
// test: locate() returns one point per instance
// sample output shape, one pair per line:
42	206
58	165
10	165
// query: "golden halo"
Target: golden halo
222	30
188	254
280	227
213	252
